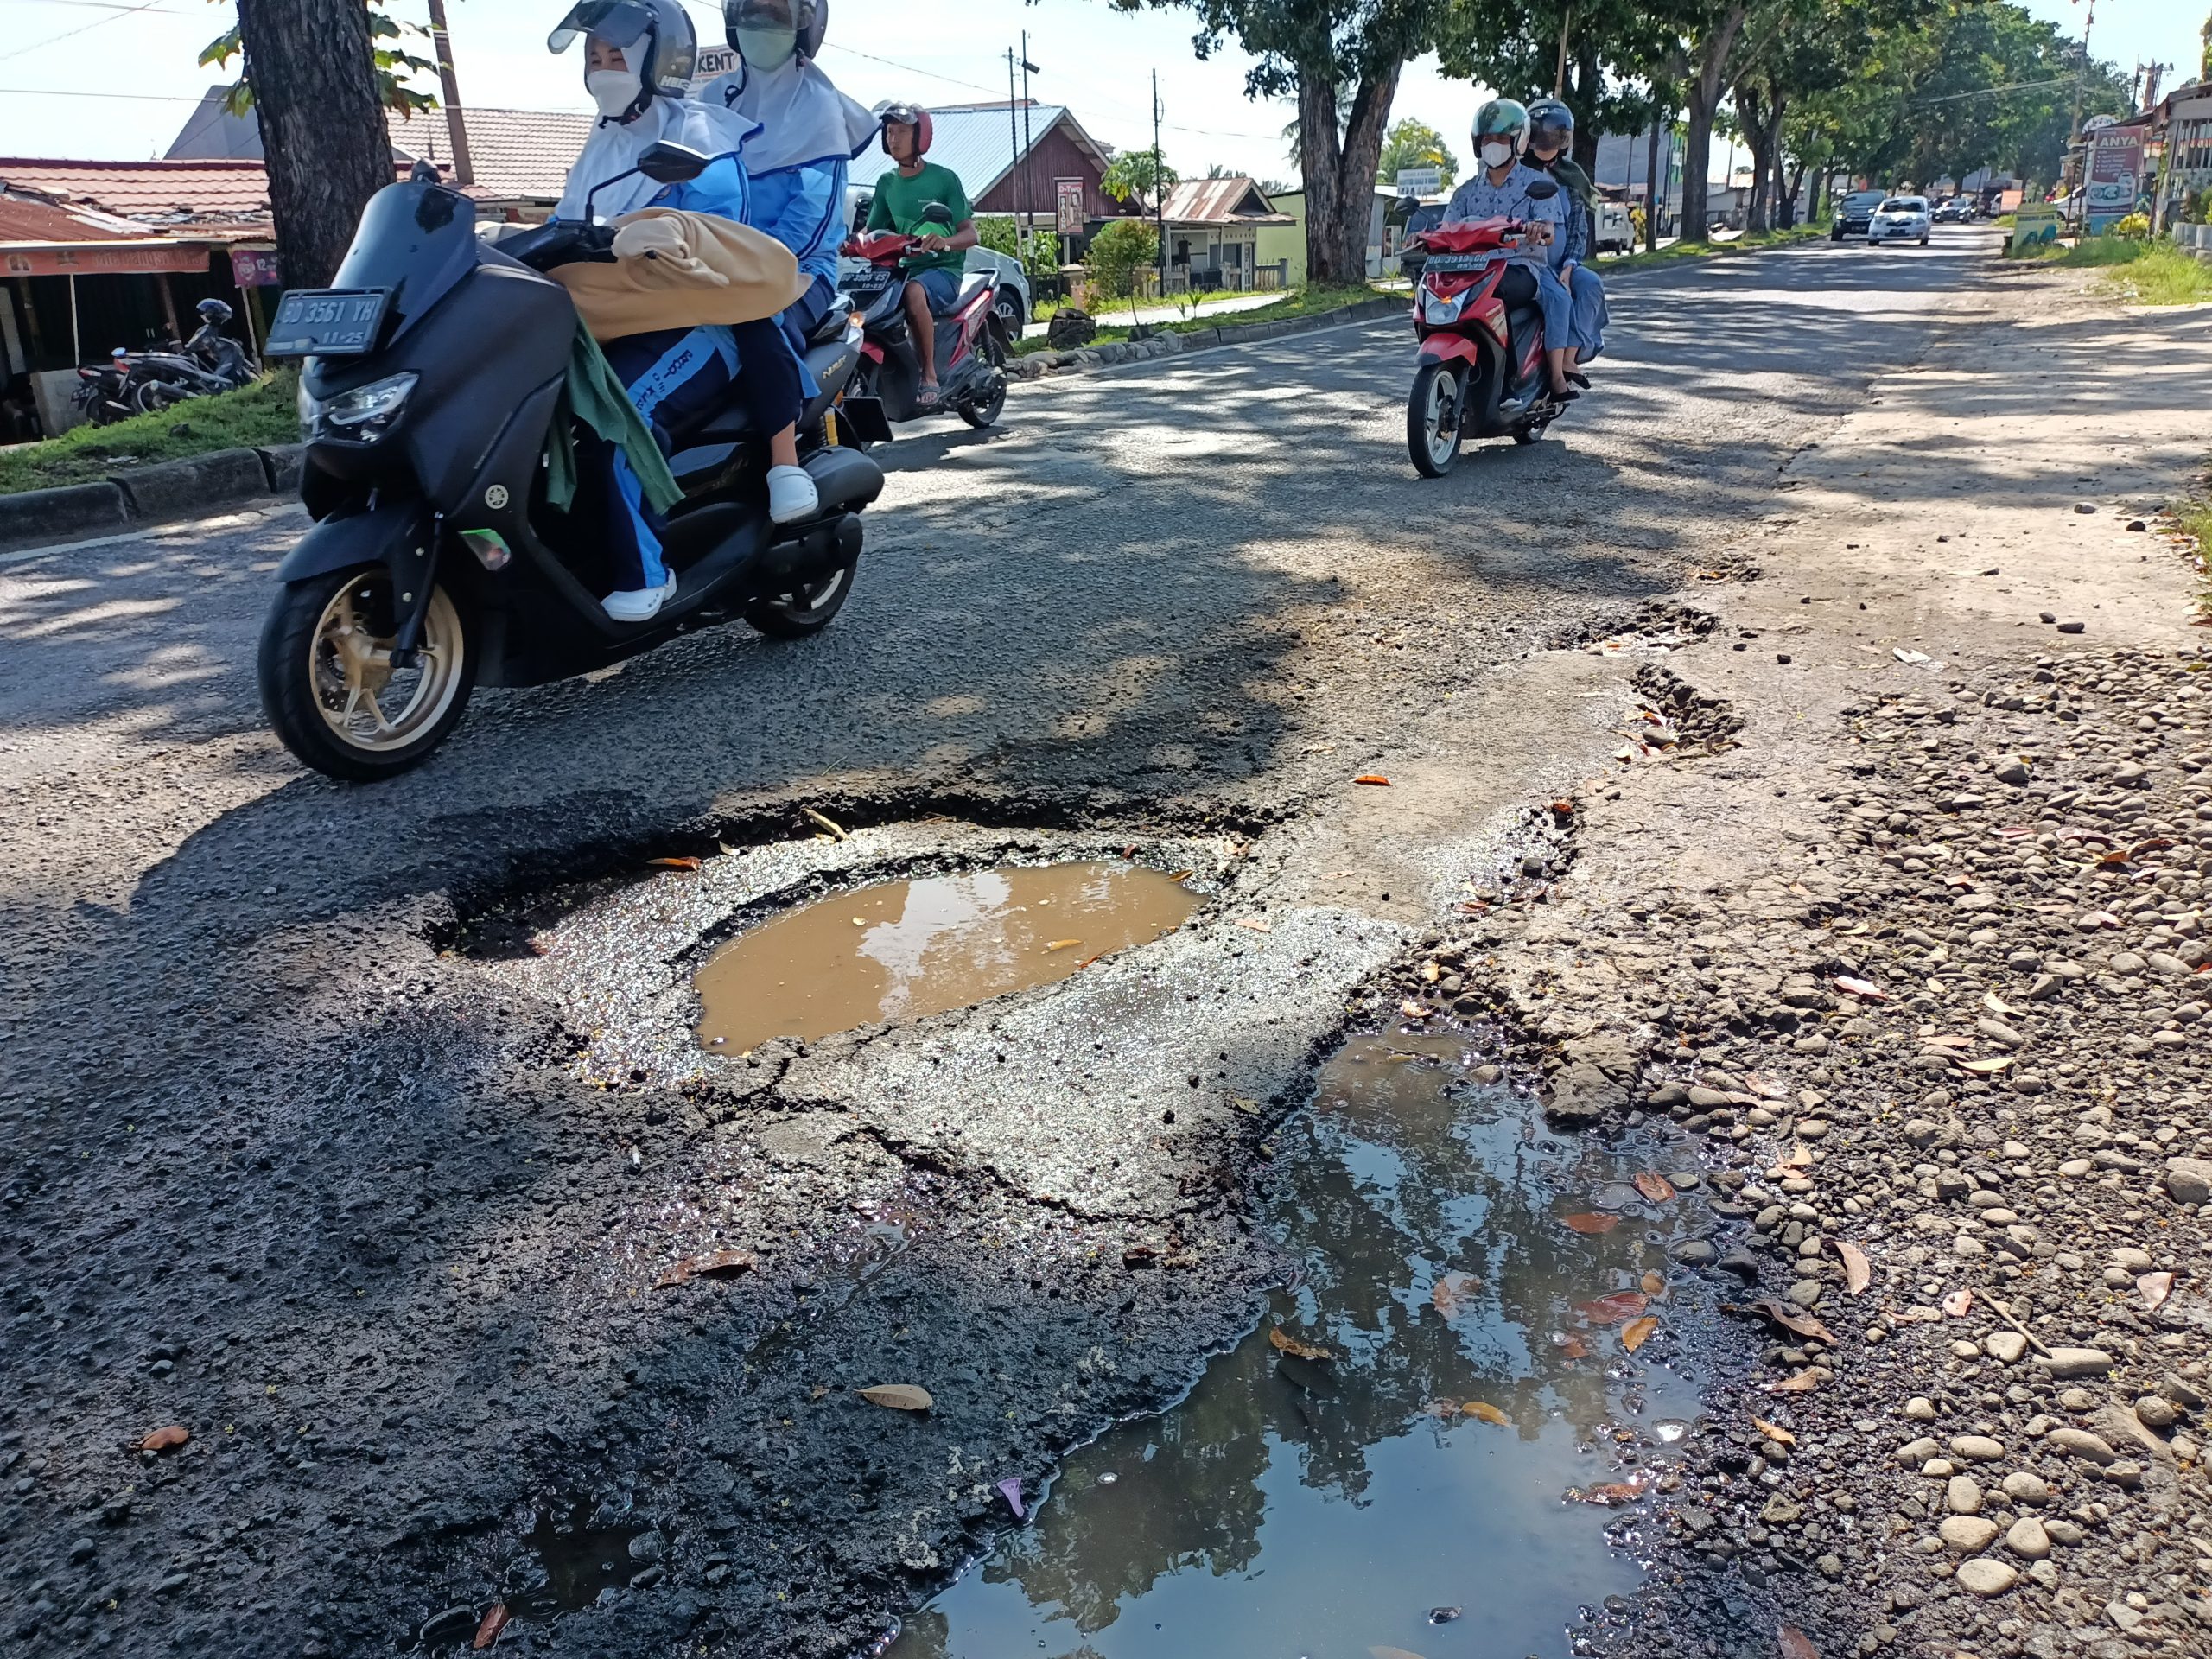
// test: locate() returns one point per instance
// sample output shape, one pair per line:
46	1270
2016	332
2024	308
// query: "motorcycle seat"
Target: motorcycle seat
728	424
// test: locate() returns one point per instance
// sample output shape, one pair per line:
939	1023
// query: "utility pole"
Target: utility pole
1028	144
1158	193
1559	75
464	174
2081	81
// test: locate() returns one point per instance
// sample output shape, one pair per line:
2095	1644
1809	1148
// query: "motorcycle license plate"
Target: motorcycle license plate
1459	261
327	322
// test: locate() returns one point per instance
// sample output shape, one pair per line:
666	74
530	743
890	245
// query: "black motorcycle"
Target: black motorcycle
104	394
436	369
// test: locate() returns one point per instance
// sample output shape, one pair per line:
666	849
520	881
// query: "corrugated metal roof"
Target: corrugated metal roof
27	219
1219	201
976	142
145	189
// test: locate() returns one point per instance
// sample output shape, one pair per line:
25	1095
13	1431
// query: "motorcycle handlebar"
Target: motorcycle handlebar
559	242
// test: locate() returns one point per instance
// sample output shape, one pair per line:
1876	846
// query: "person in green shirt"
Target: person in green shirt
933	269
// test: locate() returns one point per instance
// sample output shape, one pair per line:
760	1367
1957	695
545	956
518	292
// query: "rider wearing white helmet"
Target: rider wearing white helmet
1500	190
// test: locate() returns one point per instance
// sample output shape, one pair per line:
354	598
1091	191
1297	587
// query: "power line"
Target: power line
22	51
1991	92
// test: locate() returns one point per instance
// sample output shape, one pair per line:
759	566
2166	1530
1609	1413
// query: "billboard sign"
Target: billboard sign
1420	180
1067	193
2035	224
2115	178
255	268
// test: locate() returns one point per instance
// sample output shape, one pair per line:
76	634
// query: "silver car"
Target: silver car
1900	218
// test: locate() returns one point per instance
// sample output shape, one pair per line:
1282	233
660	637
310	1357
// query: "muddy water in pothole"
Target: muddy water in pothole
1294	1507
902	949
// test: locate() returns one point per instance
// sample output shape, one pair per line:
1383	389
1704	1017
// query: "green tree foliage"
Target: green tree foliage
1002	233
1117	253
395	64
1415	144
1140	173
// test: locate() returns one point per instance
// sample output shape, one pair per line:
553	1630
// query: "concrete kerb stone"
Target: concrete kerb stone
1171	344
30	517
182	489
280	464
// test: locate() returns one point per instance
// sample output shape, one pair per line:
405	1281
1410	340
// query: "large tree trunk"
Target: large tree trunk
1655	180
1589	87
1750	111
323	133
1708	77
1339	174
1780	202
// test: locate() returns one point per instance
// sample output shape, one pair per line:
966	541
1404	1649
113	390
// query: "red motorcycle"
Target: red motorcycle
971	345
1481	368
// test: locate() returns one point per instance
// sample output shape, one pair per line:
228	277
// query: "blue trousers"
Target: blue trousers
1558	307
677	376
1591	316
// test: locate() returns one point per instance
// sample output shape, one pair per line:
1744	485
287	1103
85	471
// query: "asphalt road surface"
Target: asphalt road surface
302	1155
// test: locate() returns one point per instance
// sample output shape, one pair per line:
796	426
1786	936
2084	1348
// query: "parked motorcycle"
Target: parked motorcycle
104	393
434	372
1481	363
971	342
210	362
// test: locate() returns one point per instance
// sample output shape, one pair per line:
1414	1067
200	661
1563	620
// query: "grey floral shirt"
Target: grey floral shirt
1479	199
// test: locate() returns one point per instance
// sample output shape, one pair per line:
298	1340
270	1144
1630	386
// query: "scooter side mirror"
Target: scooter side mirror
668	163
1542	190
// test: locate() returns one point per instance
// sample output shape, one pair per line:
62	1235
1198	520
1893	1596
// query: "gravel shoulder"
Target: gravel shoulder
1897	910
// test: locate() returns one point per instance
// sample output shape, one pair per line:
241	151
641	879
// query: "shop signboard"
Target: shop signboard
2035	224
1068	195
2115	178
255	268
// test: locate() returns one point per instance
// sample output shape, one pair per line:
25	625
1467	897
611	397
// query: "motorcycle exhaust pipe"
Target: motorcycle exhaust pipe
812	554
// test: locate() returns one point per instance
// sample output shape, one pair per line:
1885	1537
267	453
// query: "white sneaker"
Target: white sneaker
638	604
791	495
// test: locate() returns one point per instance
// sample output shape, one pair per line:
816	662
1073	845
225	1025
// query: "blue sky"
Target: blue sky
115	78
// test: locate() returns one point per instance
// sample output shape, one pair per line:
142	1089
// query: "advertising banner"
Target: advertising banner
1068	192
2115	178
255	268
2034	223
105	259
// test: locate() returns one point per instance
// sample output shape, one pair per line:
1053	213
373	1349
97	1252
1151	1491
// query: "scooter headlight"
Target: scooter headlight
1438	307
366	413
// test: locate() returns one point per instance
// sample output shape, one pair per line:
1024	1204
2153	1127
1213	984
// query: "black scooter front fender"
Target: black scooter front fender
397	535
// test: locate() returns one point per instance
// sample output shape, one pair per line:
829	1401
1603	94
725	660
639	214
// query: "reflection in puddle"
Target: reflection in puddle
1327	1508
575	1559
902	949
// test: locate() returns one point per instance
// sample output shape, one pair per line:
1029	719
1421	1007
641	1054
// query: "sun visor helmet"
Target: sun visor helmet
809	20
914	116
656	38
1551	124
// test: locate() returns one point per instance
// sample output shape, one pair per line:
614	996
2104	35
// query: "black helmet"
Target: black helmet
660	28
214	311
809	18
1552	123
1502	117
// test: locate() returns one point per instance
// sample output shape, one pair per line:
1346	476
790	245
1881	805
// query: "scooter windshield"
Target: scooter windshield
416	241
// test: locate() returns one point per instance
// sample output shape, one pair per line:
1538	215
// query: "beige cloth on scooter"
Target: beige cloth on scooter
702	269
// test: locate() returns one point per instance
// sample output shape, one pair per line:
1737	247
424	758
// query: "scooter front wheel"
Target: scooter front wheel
331	690
1433	419
794	616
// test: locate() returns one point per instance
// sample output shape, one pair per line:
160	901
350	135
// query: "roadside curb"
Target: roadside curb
1038	365
143	497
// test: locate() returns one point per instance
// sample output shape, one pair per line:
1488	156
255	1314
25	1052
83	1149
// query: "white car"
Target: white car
1900	218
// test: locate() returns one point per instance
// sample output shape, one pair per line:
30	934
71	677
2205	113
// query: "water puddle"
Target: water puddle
575	1557
1442	1486
902	949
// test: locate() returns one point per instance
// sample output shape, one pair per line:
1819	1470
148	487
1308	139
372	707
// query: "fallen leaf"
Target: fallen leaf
1375	777
1289	1344
836	831
715	1264
495	1620
1182	875
1956	1304
1486	1412
1804	1382
820	1391
1613	1308
1411	1010
1652	1283
2156	1288
899	1396
1392	1653
1774	1431
2155	844
1061	945
1858	1272
1592	1223
1986	1068
1570	1347
1800	1157
1636	1332
1257	924
1864	990
1996	1004
675	863
1452	1292
167	1439
1010	1490
1430	972
1794	1643
1611	1495
1789	1319
1654	1186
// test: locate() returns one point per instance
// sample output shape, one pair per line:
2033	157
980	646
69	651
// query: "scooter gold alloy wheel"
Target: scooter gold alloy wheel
367	702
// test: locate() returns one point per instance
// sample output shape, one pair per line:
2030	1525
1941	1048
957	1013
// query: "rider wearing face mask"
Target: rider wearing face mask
1551	136
687	314
809	132
1500	190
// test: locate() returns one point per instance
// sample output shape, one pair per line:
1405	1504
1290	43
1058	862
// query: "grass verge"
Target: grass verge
2143	273
2192	534
1298	302
1749	242
263	413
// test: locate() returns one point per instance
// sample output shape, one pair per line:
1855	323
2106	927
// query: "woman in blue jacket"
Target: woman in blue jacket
809	132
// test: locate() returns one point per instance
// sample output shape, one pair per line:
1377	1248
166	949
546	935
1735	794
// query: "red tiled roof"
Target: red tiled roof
149	189
515	155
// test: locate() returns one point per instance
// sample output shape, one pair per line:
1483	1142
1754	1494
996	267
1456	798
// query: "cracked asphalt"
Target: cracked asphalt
306	1154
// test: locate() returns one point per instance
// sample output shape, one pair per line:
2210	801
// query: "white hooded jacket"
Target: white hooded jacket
614	146
804	120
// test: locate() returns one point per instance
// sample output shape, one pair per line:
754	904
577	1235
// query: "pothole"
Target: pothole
576	1556
794	941
1512	1373
900	950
